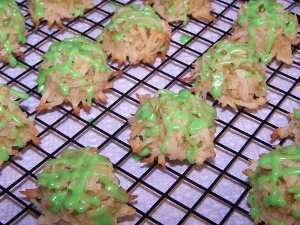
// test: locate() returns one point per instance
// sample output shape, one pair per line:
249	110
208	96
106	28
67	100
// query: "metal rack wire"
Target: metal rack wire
214	193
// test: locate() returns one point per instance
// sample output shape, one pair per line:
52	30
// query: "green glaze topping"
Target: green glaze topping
175	112
39	8
12	23
137	157
76	46
112	4
68	177
297	114
184	39
273	15
223	54
171	10
11	116
127	16
274	222
271	169
186	10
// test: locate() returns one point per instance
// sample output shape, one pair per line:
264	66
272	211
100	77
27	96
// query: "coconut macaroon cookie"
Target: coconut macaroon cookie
79	188
12	29
275	194
293	129
232	73
74	70
175	126
135	33
55	11
15	128
267	27
178	10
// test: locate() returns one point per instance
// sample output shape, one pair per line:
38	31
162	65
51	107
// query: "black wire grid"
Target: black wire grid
214	193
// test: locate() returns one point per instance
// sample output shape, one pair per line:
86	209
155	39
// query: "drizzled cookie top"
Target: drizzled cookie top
61	57
68	178
39	8
171	10
11	24
176	112
267	12
271	168
127	16
297	114
232	55
10	111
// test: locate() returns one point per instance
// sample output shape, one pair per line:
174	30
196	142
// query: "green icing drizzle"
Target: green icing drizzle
118	37
4	112
274	161
145	151
3	125
76	168
92	121
12	19
136	157
186	10
76	46
78	11
18	94
297	114
4	153
129	15
171	10
184	39
254	211
112	4
102	216
39	8
274	222
179	108
217	56
252	15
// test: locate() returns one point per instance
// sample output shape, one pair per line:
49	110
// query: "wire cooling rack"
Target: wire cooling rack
214	193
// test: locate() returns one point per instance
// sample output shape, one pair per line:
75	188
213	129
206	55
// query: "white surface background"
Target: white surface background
240	134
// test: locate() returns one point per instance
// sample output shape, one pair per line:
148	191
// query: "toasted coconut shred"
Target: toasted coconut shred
79	188
275	180
54	11
13	30
178	10
74	70
136	34
15	128
267	27
232	73
175	126
293	129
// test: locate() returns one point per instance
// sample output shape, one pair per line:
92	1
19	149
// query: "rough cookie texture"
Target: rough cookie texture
79	188
275	194
15	128
268	28
136	34
55	11
13	31
175	126
74	70
233	74
178	10
293	129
